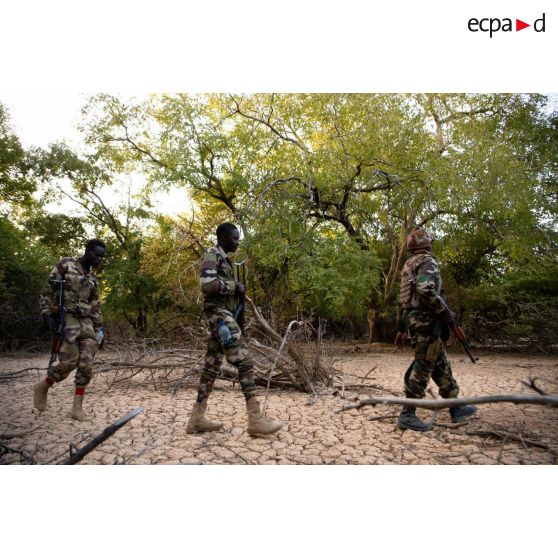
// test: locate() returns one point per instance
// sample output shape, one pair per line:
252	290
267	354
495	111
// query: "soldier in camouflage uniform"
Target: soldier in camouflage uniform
221	298
421	311
83	325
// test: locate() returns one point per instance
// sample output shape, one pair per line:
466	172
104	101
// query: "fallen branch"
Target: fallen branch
106	433
369	372
548	400
9	435
13	374
532	385
450	425
368	386
384	417
507	436
111	365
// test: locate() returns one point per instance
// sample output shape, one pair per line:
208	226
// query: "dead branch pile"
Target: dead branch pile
294	360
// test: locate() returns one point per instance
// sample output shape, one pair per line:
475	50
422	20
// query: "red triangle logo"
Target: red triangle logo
519	25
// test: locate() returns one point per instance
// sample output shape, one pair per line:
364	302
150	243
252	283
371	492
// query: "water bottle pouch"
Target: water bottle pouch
224	333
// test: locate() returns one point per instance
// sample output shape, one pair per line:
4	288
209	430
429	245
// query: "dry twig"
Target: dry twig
532	385
9	435
507	436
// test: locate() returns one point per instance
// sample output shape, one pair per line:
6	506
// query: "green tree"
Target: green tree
356	170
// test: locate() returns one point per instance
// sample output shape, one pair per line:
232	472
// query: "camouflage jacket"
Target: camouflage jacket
217	281
421	283
81	291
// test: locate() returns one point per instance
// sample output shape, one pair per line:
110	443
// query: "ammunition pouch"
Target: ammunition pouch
439	331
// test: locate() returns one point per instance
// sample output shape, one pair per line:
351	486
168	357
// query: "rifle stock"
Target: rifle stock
460	335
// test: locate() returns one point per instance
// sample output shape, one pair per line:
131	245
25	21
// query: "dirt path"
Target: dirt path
313	432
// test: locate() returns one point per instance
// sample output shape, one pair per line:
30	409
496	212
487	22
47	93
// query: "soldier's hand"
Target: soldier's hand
101	334
240	289
400	339
49	322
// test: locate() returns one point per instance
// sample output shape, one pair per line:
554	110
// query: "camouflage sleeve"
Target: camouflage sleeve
210	282
429	284
95	315
49	295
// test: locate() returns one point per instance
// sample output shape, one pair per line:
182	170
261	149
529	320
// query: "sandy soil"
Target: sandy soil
313	432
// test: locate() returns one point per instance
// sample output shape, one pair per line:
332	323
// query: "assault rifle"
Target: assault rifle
459	333
60	323
240	276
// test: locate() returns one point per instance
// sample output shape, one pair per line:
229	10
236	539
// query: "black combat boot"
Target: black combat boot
459	414
408	420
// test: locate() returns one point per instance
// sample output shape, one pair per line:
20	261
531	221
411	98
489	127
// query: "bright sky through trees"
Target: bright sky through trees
45	117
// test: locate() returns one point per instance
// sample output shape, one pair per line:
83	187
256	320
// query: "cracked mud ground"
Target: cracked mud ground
313	432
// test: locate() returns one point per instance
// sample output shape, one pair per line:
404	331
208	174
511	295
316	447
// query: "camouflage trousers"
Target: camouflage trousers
421	370
77	350
237	354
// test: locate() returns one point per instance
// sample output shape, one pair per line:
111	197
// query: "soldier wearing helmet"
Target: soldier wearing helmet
423	314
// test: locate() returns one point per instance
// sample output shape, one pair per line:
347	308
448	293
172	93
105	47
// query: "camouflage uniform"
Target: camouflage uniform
216	266
81	298
421	305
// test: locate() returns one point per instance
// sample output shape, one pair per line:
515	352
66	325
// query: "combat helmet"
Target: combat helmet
419	239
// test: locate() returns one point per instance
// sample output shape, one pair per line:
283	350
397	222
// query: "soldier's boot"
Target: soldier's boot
408	420
459	414
77	409
257	424
197	421
40	391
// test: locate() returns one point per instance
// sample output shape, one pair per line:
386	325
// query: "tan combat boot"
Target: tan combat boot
257	424
77	409
197	421
40	390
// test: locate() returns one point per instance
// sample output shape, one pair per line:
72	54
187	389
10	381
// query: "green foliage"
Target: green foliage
17	183
23	269
333	278
521	311
62	234
324	187
129	289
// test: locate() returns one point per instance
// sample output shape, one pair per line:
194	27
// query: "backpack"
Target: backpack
408	287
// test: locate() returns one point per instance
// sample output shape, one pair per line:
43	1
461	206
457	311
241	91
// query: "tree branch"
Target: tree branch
106	433
267	123
549	400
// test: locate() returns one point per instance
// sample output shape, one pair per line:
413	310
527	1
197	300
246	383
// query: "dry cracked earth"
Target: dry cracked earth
313	433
